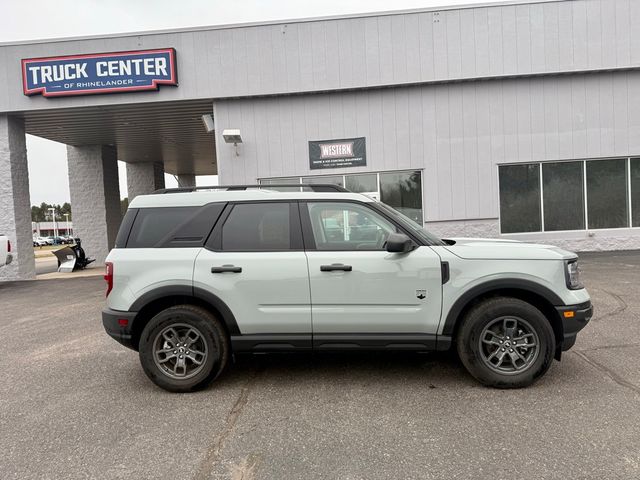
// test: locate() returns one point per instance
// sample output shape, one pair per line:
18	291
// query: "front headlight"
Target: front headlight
573	275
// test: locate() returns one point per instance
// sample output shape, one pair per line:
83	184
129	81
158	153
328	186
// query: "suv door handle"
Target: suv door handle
226	268
335	266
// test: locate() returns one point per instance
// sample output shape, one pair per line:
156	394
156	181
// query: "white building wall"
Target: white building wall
397	48
457	133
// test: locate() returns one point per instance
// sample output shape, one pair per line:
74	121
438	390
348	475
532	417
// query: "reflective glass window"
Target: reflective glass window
607	193
520	198
563	194
403	191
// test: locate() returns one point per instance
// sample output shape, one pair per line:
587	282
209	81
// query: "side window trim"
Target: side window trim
308	237
214	242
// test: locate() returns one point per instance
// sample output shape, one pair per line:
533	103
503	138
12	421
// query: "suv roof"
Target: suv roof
197	198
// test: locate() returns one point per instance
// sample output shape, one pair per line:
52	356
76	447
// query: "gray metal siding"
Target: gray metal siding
457	133
364	52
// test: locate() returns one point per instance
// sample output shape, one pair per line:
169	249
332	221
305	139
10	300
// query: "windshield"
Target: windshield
415	228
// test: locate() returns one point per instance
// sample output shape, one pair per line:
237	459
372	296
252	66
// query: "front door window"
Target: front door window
348	226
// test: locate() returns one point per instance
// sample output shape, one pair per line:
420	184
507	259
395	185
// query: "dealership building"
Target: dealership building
516	120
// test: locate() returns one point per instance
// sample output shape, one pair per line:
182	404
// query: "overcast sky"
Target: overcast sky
37	19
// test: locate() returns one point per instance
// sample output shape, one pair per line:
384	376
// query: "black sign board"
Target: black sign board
346	152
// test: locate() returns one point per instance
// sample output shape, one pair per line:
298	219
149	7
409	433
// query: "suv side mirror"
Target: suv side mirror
398	243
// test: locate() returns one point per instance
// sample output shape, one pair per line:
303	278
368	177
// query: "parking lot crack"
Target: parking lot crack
213	453
622	305
608	372
607	347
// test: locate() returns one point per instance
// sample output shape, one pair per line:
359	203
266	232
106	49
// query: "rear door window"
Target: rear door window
257	227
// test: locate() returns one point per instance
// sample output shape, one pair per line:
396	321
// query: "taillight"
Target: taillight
8	246
108	276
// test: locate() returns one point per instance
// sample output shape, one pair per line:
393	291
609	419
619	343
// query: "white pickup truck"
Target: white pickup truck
5	251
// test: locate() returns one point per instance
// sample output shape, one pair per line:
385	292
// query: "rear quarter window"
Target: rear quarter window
173	226
125	227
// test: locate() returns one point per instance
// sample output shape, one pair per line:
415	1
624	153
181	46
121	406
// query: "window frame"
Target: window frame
214	242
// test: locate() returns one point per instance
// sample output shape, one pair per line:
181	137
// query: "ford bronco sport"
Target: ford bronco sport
197	276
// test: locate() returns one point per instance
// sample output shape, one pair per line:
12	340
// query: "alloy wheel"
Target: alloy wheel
180	351
509	345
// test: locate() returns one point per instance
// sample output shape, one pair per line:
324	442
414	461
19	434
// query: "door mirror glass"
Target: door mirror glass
398	243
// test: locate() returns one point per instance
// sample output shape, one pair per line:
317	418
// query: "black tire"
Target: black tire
476	358
212	334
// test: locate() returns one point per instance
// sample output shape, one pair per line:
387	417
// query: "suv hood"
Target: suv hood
503	249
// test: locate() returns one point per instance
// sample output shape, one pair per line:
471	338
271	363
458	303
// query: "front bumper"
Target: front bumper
574	318
115	325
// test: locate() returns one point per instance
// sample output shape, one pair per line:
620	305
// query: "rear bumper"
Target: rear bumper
574	318
9	259
115	325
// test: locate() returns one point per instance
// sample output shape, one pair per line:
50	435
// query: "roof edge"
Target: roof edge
489	4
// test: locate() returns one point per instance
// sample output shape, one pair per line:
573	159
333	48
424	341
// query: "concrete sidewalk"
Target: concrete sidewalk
90	271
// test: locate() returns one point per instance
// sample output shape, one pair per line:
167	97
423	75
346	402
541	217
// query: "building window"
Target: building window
607	194
520	198
563	196
401	190
574	195
334	180
288	180
365	183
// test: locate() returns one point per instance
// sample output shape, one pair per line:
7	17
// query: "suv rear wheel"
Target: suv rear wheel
183	348
506	343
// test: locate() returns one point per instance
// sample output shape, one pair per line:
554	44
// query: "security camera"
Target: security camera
207	120
232	136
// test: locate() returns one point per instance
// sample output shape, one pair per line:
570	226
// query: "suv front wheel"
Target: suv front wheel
506	343
183	348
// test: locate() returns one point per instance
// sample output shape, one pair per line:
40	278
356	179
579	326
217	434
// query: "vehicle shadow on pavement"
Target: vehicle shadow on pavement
291	368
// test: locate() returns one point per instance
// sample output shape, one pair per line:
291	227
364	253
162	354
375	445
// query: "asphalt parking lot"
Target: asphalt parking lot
75	404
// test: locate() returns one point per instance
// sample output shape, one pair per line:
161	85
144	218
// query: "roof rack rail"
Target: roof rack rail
314	187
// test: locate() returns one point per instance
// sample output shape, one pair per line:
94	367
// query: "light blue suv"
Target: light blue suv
196	276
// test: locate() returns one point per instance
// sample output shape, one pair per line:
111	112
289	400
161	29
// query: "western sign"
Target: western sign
99	73
349	152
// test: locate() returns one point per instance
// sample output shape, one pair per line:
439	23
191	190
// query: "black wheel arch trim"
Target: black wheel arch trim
227	315
495	285
189	291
